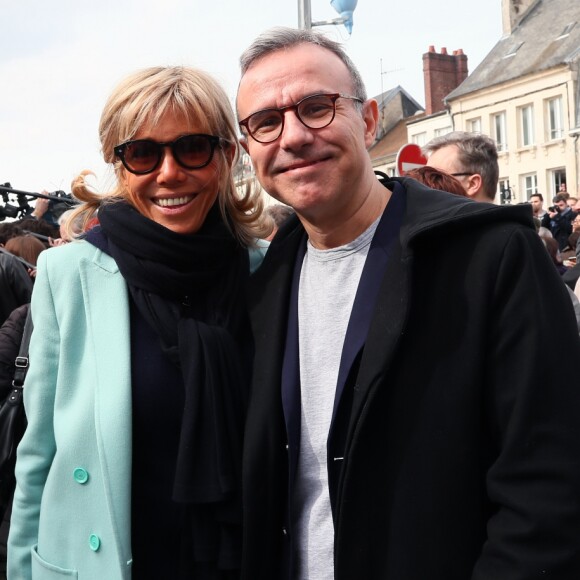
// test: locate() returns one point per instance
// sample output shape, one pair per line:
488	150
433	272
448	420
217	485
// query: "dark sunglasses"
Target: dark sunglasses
143	156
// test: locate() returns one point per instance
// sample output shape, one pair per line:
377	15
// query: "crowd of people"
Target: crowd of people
351	383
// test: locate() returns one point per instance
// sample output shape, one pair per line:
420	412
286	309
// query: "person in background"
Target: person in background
69	231
15	284
572	274
436	179
40	228
471	158
26	247
403	423
279	214
10	338
559	219
41	206
141	351
537	203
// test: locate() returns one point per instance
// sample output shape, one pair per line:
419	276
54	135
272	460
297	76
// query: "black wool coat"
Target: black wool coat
461	437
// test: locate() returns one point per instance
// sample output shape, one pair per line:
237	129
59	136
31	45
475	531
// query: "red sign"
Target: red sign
409	157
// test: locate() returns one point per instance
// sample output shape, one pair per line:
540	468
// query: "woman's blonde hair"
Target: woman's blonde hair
142	99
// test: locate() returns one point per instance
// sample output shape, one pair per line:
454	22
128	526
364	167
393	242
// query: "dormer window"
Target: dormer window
566	32
512	51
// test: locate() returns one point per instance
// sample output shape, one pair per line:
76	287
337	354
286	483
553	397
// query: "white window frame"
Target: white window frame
526	114
442	131
557	176
474	125
499	126
554	118
420	139
529	185
504	183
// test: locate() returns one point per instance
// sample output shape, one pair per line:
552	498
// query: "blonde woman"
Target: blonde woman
130	466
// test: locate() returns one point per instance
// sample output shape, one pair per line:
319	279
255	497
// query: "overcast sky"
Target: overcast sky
60	59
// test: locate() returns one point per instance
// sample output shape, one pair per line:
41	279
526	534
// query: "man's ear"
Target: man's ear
474	185
370	115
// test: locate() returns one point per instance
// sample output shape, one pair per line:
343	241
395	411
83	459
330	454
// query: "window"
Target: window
443	131
558	180
505	191
527	125
419	139
567	29
555	118
474	125
513	49
499	131
530	185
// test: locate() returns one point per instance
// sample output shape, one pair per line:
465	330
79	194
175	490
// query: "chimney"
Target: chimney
443	73
512	13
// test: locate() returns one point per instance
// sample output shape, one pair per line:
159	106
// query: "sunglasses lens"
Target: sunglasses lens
142	156
193	151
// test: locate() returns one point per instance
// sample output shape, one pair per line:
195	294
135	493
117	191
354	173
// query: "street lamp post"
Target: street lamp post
344	7
304	15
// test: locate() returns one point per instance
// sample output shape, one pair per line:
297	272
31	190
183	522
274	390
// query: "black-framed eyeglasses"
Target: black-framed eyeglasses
461	174
314	112
143	156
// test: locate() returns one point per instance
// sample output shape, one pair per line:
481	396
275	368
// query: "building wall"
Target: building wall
422	131
533	155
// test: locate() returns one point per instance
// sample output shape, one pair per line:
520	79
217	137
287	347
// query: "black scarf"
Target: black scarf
191	289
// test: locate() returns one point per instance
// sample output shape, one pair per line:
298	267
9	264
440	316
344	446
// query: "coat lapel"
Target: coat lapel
107	308
389	317
275	384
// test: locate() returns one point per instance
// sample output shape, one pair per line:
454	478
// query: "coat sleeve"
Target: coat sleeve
21	283
37	448
533	409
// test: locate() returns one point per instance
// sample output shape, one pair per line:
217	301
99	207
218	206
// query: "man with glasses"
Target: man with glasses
402	423
469	157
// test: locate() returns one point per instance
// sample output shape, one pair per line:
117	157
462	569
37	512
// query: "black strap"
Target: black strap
21	361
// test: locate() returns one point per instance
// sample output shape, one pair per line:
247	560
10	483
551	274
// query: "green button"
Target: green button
94	542
81	475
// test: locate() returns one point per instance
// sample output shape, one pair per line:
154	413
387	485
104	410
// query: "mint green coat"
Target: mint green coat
72	506
71	516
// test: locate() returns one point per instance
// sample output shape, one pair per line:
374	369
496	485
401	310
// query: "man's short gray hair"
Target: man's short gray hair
477	154
281	38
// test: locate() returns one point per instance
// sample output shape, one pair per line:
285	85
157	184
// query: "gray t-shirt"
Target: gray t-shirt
328	283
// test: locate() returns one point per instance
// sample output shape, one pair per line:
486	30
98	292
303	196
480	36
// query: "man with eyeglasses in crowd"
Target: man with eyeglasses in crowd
402	423
469	157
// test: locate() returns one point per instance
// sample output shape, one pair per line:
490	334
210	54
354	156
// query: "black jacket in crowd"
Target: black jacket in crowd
560	226
15	285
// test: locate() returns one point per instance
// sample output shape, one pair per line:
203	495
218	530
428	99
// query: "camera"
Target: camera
59	203
554	209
